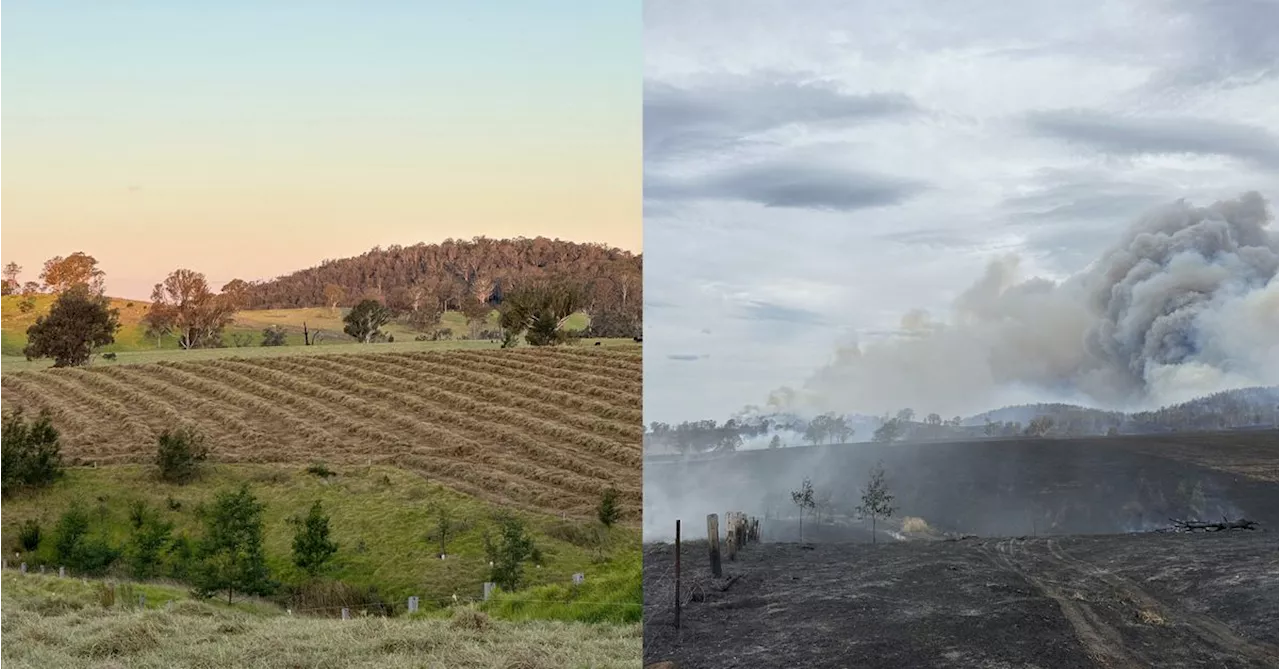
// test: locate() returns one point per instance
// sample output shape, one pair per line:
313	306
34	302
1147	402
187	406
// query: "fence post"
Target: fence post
413	604
142	601
730	537
677	573
62	572
23	567
578	578
713	543
346	613
488	590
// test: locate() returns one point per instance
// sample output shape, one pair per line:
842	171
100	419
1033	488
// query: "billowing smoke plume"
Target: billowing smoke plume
1184	305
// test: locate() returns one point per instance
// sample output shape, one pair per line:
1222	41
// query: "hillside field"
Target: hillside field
544	430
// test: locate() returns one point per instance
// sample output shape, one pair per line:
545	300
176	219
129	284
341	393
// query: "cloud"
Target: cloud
757	310
790	184
852	160
1221	48
687	357
1127	135
726	111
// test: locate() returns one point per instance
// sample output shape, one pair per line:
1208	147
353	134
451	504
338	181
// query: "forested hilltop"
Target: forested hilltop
456	274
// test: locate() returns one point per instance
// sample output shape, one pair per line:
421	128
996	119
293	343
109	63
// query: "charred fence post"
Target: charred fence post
713	543
677	574
730	537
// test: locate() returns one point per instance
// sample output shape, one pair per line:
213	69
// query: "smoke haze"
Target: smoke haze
1183	305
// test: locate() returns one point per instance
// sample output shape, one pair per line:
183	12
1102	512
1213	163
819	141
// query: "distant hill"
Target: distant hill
456	272
1257	407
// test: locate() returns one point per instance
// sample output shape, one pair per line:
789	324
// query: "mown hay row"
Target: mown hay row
627	404
25	391
496	389
599	377
545	439
594	449
102	409
355	396
612	366
575	402
629	359
563	469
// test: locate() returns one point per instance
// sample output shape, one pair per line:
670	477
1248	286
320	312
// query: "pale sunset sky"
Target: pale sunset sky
248	140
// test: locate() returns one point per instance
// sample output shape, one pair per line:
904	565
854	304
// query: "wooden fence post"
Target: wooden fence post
677	573
413	604
713	543
730	537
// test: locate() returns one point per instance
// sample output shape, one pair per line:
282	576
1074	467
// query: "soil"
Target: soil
1114	601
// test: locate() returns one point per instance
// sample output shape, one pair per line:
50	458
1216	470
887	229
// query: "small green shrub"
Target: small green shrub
30	455
319	469
29	535
179	454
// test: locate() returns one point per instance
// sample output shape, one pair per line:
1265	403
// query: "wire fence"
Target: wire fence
345	609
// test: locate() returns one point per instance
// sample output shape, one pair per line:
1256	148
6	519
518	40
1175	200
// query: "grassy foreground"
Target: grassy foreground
52	622
381	518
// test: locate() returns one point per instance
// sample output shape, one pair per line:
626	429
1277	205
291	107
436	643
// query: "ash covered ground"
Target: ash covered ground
1064	570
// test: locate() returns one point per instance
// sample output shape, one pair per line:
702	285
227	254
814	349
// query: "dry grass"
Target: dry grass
193	634
914	524
539	429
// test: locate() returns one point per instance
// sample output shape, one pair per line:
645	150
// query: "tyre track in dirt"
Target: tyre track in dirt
1102	642
1093	599
1212	633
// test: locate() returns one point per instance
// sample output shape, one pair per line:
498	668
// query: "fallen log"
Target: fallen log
1209	526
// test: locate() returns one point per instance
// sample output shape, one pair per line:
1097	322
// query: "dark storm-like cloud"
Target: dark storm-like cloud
790	184
725	112
1129	136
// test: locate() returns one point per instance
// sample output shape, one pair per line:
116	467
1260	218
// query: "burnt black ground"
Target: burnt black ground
1133	600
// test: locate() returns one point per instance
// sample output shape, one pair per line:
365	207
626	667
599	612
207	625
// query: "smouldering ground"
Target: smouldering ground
1114	601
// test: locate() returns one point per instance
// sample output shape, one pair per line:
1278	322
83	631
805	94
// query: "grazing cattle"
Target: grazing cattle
109	356
637	339
597	343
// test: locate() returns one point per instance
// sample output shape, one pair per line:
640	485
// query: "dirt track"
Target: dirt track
1117	601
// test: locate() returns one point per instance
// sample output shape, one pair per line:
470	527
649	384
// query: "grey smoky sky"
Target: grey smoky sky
816	170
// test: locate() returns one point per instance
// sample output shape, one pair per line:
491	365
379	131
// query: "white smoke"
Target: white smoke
1184	305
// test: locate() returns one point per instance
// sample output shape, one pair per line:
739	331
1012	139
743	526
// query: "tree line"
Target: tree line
453	273
1245	407
185	307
